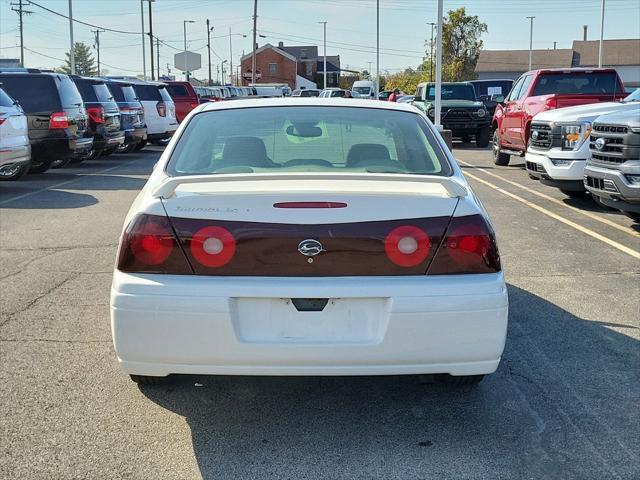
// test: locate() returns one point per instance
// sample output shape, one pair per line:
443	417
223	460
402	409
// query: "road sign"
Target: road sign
187	61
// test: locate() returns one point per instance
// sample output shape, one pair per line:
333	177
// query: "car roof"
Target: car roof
307	102
574	70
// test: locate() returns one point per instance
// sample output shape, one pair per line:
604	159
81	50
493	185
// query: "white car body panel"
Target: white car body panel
14	137
245	325
155	123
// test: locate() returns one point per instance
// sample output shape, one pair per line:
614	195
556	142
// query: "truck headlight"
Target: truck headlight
635	179
481	112
431	112
574	135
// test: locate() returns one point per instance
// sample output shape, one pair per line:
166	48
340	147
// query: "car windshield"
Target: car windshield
362	90
307	139
633	97
452	92
489	88
5	100
587	83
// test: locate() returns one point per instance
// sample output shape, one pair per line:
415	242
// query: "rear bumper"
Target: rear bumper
60	148
15	155
164	324
135	135
556	168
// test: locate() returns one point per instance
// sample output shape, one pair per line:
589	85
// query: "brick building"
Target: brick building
273	65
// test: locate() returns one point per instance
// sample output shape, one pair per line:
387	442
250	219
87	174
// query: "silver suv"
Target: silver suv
613	172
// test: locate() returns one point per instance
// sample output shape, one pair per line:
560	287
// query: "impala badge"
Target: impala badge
310	247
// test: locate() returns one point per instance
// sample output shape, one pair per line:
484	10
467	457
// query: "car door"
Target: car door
510	113
521	115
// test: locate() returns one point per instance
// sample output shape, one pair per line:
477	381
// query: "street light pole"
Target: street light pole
97	45
253	55
209	49
72	53
377	49
531	42
231	60
324	27
184	26
153	75
144	55
601	34
431	53
439	66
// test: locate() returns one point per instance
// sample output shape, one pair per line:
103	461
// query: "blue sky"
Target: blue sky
350	28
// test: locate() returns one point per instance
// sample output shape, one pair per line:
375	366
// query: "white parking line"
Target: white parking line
66	182
549	213
606	221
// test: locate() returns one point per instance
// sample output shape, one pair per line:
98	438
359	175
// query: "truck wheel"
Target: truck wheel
14	173
574	193
633	215
466	138
483	136
40	166
145	379
499	158
447	379
141	145
61	163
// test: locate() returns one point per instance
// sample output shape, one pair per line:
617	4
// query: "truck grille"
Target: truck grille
600	183
456	116
534	167
609	128
613	144
541	136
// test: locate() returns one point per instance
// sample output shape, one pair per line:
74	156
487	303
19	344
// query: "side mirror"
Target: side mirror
497	98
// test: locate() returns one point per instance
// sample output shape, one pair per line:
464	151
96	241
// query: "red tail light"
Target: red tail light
149	245
2	120
59	120
213	246
407	246
96	114
469	246
161	107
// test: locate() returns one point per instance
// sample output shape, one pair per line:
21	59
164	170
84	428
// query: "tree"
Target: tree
461	45
85	63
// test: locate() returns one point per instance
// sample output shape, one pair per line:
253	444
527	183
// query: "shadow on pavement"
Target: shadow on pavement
563	404
49	200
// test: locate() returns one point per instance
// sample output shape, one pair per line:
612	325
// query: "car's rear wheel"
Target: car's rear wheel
108	151
127	148
160	143
462	380
141	145
499	158
466	138
574	193
61	163
146	379
14	173
483	136
40	166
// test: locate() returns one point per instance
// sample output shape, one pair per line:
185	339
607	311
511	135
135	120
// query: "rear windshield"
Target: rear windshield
498	87
148	92
35	93
85	88
452	92
69	92
165	95
594	83
307	139
177	90
5	100
103	93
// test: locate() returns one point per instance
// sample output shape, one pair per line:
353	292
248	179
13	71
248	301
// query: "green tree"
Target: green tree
461	45
85	63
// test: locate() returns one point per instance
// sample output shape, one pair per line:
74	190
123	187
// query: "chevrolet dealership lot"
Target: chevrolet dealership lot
563	403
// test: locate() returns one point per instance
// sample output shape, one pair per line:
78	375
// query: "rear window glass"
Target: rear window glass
593	83
177	90
5	100
148	92
102	92
69	92
452	92
492	88
86	90
165	95
308	139
35	93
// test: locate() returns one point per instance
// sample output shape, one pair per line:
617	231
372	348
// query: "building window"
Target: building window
273	68
309	69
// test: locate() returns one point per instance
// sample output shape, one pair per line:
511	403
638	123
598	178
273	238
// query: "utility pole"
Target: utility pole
253	55
184	25
144	54
377	49
431	53
209	29
21	12
72	53
218	74
531	42
438	95
601	34
231	61
158	57
324	28
97	46
153	75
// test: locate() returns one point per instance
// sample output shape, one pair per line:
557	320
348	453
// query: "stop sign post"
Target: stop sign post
187	61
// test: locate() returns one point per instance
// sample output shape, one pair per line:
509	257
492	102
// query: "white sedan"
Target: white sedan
308	237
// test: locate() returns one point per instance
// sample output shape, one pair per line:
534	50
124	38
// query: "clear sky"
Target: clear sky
350	29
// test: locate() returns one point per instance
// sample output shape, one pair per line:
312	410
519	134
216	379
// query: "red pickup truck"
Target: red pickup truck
184	97
540	90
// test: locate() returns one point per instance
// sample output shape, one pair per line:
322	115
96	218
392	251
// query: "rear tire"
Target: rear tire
40	166
466	138
459	381
574	193
16	174
108	151
146	379
141	145
128	148
61	163
483	137
499	158
533	177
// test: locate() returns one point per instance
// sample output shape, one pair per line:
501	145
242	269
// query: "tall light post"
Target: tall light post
324	27
184	27
144	55
72	52
153	75
431	52
253	54
222	66
531	42
377	49
438	94
209	30
601	34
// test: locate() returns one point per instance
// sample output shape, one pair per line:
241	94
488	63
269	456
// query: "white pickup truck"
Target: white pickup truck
559	143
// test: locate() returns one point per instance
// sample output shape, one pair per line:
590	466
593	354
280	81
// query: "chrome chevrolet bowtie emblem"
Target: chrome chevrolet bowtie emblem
600	143
310	247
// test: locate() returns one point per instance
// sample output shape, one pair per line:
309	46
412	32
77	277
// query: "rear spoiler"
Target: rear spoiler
168	186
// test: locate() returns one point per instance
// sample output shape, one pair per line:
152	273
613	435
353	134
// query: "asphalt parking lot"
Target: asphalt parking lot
563	404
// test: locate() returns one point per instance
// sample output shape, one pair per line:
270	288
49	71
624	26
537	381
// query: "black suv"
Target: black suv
131	114
104	115
55	112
